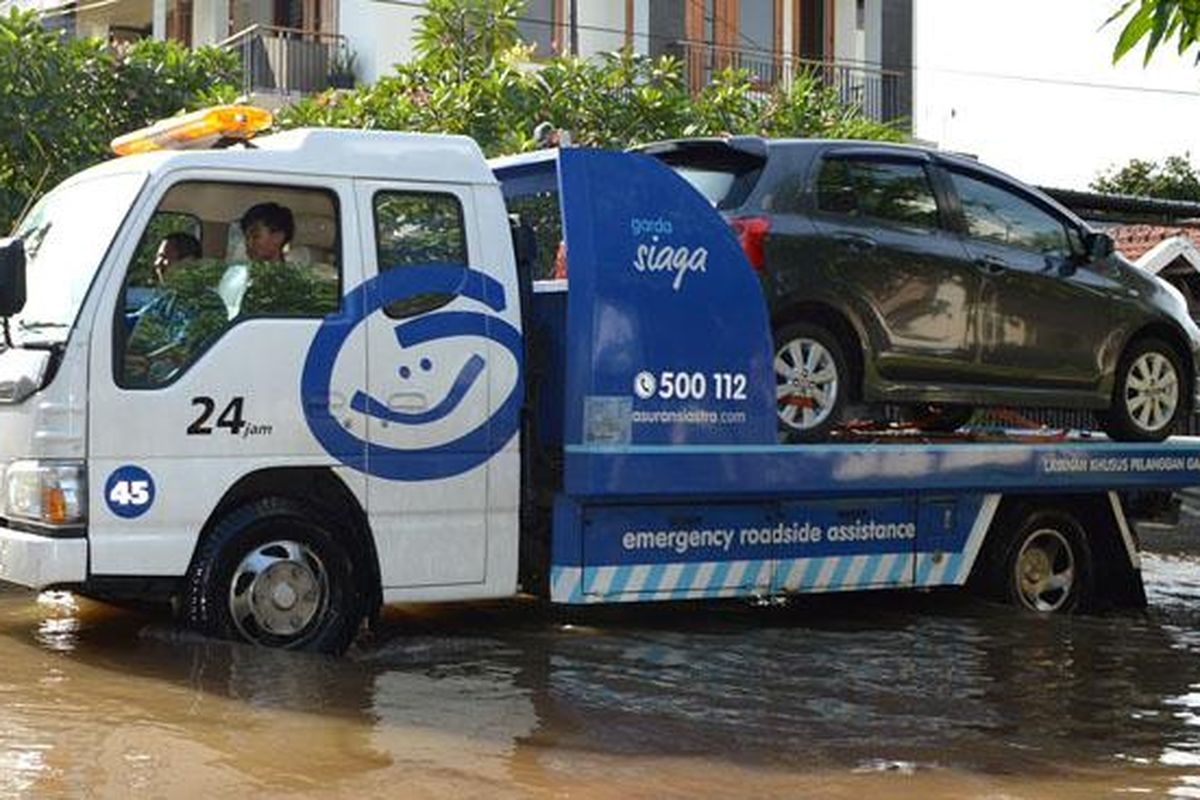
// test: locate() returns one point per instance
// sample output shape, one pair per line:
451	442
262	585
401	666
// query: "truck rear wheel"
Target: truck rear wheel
272	573
1042	562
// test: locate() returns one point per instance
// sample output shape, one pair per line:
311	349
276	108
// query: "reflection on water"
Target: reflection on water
904	696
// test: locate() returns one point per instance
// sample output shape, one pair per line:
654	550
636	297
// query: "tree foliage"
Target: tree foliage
473	76
1174	179
65	99
1157	22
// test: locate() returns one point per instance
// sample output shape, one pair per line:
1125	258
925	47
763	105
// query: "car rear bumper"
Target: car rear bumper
39	561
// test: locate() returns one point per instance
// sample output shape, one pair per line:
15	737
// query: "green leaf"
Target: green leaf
1134	30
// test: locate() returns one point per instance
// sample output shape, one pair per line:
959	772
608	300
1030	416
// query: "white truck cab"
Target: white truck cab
135	405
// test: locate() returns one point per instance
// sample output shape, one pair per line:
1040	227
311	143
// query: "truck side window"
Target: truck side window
540	212
417	229
194	275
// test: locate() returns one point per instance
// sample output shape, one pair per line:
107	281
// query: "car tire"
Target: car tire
1041	562
273	573
812	382
1149	397
938	418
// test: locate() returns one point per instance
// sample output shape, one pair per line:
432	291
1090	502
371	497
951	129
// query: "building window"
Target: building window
539	26
812	18
289	14
756	26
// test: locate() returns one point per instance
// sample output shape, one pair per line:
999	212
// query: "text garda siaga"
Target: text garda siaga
655	257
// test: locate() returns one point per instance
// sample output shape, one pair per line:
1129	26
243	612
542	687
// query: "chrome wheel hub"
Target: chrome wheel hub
1045	571
1151	391
806	383
278	590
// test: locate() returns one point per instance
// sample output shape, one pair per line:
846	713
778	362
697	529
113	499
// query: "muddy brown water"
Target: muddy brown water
909	696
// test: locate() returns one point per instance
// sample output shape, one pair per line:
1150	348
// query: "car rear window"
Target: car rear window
722	174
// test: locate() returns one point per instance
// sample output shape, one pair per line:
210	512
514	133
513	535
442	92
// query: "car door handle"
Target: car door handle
855	241
991	265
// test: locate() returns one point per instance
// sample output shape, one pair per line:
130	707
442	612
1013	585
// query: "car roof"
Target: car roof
763	147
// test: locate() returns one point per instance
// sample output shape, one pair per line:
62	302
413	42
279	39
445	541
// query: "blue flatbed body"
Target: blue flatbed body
656	387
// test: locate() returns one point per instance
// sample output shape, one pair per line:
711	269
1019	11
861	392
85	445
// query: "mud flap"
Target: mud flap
1118	563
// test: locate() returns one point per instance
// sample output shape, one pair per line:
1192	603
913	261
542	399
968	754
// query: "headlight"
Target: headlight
46	492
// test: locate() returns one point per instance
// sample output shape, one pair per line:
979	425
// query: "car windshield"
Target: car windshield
66	236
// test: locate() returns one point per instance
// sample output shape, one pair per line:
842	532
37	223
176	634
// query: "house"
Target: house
861	47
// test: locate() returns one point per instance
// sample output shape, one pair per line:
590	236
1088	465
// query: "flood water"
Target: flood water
920	696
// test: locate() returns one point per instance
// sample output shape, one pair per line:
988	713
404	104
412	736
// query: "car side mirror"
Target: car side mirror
12	276
1099	245
1062	266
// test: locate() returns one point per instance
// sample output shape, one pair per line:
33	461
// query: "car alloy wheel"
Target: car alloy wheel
807	383
1151	391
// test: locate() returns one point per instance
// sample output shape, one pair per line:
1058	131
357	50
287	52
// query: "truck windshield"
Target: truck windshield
66	236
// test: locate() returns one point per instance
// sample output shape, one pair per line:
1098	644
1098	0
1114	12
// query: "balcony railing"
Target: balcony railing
288	61
881	94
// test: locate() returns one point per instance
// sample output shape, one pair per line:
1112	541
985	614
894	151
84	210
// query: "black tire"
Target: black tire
1126	420
314	594
809	423
1040	561
938	418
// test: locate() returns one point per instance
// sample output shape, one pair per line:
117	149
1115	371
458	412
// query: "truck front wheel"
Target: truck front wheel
272	573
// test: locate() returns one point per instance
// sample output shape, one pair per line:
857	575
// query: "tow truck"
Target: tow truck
447	428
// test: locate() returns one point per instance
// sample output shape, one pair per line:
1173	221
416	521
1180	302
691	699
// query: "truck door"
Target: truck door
187	397
428	398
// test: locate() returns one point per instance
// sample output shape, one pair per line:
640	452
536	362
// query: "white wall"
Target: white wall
380	33
1029	87
210	22
609	15
641	26
860	46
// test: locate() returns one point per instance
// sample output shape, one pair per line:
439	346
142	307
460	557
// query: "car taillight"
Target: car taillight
751	233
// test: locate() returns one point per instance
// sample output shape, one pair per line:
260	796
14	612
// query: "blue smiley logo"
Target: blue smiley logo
470	372
455	457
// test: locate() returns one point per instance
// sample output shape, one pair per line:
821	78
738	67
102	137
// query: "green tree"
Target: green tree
65	99
1157	22
1174	179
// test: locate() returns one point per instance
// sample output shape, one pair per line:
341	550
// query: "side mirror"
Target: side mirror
1099	245
12	277
1062	266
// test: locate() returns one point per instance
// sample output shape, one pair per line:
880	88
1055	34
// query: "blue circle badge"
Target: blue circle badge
129	492
470	448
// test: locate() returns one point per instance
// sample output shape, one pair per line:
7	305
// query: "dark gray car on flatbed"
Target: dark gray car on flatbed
901	274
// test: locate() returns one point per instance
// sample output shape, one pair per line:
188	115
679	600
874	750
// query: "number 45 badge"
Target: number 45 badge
129	492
